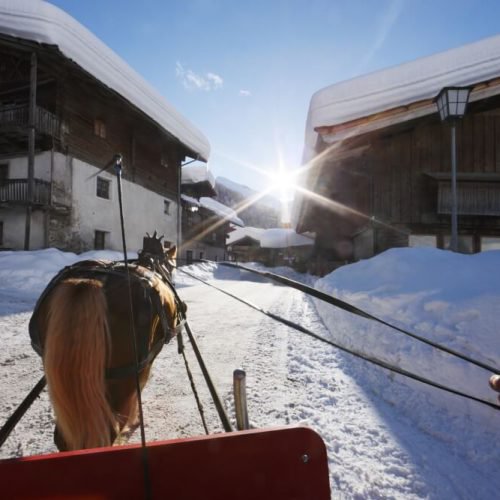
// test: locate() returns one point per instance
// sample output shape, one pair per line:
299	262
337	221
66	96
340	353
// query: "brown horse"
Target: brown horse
84	329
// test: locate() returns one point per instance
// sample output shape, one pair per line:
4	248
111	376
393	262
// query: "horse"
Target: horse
94	345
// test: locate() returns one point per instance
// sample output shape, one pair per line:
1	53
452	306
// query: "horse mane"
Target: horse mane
75	356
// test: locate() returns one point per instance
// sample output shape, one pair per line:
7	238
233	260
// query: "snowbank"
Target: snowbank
450	298
27	273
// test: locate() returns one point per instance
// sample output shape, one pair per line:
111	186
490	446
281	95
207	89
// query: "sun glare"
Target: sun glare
283	182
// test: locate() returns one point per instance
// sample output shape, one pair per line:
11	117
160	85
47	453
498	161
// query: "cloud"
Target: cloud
194	81
216	80
245	93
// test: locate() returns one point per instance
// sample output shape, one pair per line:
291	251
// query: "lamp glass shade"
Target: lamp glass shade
452	102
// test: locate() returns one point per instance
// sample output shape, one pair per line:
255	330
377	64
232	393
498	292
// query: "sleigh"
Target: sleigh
279	464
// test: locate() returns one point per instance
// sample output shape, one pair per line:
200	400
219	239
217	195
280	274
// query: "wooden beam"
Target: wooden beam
31	149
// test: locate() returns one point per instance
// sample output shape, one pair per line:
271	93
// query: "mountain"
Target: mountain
264	213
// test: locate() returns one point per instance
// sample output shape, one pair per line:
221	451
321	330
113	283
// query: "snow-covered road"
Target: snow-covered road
374	450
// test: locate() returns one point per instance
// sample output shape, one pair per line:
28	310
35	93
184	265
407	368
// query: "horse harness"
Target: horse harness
100	269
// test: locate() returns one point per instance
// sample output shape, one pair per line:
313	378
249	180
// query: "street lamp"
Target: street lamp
452	103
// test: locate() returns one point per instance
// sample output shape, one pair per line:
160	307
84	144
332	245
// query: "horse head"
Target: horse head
163	253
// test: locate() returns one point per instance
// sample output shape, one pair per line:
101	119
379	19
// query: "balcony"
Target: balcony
478	193
17	118
15	192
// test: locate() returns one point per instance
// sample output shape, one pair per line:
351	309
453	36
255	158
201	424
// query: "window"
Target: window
102	190
100	240
201	255
422	240
100	128
1	233
489	243
189	257
166	207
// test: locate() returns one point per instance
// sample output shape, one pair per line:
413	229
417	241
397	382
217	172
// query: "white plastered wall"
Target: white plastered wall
143	210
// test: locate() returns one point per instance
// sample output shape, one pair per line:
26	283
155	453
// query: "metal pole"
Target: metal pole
454	221
31	150
145	457
179	211
211	387
240	400
12	421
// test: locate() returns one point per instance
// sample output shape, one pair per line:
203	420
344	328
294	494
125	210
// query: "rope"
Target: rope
345	349
359	312
180	350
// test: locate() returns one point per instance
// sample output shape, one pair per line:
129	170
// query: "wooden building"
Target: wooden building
271	247
68	104
206	222
379	159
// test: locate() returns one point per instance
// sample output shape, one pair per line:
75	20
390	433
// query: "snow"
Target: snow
192	174
43	22
386	436
271	238
221	210
190	200
401	85
284	238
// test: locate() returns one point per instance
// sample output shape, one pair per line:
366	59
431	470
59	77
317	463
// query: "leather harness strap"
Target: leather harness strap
96	269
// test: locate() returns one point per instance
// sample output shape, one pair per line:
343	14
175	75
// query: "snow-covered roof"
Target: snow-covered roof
247	193
190	200
271	238
402	85
283	238
42	22
221	210
214	207
240	233
193	174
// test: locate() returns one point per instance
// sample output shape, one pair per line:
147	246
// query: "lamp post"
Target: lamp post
452	103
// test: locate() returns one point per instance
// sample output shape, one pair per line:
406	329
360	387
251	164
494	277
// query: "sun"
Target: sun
283	182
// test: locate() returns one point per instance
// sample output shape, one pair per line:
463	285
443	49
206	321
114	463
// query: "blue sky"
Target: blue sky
244	72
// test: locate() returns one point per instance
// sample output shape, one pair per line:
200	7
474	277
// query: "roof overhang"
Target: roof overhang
43	23
334	133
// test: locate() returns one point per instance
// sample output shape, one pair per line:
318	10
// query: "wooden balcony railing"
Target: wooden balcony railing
15	191
18	116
